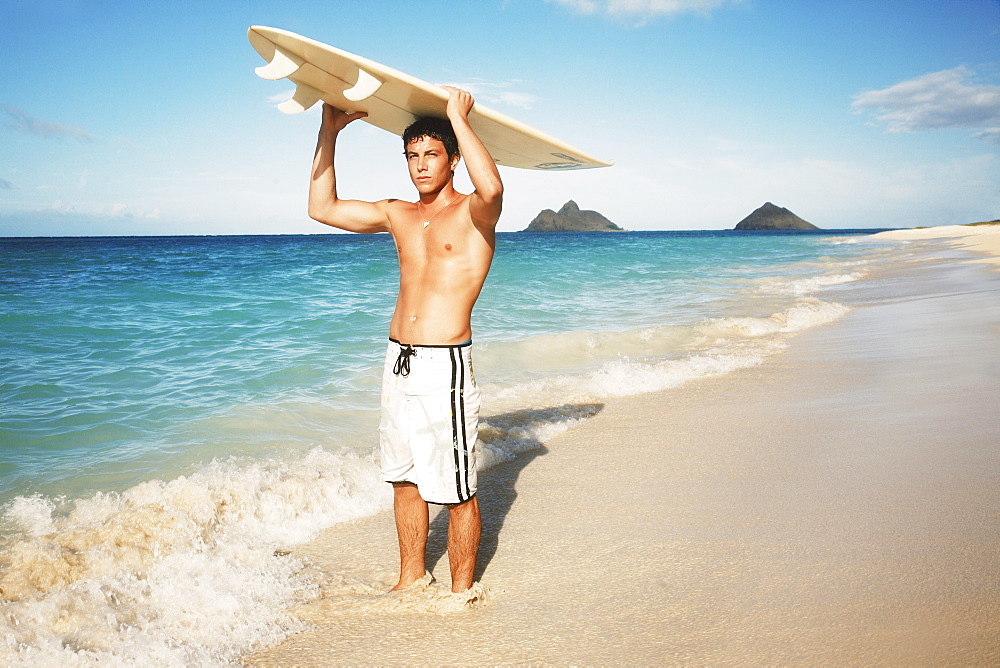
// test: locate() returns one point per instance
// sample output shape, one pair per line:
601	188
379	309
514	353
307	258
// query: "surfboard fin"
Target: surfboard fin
304	97
364	88
281	65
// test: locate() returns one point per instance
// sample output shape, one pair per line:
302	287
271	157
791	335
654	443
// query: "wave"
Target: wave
810	284
197	569
177	572
663	357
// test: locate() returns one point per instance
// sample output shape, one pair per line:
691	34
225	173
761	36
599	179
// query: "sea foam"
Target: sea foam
196	570
179	572
711	348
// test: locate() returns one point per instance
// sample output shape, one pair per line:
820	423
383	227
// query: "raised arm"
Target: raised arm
487	200
324	205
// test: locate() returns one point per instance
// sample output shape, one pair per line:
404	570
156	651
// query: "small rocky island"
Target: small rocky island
771	217
570	218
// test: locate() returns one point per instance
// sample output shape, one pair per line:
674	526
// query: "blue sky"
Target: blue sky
147	118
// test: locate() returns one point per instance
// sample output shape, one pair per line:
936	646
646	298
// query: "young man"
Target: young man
430	403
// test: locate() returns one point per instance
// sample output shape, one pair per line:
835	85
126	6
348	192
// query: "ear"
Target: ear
455	159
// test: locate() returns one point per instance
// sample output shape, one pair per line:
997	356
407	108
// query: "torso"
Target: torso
442	269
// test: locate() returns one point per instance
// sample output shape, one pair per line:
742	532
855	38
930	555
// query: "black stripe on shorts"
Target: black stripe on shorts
458	434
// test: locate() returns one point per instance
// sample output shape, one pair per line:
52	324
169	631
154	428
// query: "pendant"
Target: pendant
426	223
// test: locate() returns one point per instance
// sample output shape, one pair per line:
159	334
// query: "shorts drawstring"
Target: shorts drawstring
402	366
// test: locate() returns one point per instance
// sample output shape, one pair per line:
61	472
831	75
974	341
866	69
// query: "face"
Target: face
429	165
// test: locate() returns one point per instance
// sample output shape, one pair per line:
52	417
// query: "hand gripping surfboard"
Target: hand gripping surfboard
393	99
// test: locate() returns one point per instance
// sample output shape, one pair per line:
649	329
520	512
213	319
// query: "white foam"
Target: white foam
504	437
173	573
810	284
32	515
716	347
426	595
553	353
804	315
193	570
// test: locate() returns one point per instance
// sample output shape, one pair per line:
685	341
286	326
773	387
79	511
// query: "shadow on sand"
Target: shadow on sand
498	484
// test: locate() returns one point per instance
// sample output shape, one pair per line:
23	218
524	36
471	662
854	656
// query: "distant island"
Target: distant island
570	218
771	217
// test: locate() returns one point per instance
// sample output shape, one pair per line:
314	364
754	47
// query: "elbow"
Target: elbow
313	207
314	213
319	212
493	192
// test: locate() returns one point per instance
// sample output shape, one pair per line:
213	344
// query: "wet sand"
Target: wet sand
838	504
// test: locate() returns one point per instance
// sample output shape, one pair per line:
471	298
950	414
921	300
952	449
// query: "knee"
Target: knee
468	507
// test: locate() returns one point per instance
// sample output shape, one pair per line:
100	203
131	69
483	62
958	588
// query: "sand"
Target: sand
838	504
984	239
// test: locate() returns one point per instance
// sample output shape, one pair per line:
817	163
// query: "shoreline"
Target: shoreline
982	238
838	503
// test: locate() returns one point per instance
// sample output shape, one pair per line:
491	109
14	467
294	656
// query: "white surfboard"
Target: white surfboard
393	99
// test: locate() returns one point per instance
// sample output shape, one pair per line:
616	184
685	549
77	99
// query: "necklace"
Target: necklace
427	221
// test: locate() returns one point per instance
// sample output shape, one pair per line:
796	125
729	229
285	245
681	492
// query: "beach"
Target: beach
695	446
838	503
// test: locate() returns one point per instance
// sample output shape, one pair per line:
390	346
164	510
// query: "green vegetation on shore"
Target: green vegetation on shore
985	222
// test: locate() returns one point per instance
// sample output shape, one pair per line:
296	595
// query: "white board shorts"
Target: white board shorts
430	420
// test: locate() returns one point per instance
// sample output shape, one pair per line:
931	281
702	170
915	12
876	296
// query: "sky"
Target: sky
146	118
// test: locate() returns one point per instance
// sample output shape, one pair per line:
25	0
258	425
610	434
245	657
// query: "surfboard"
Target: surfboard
393	99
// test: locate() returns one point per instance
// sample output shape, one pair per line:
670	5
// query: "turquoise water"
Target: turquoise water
114	350
202	400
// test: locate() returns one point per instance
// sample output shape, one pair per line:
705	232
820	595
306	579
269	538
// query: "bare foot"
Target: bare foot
476	596
426	580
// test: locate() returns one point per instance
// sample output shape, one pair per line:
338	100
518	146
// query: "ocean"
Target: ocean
176	412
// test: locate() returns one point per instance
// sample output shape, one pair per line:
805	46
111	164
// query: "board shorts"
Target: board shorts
430	420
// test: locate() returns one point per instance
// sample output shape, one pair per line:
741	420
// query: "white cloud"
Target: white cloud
283	96
68	219
991	135
26	123
643	8
939	100
497	93
580	6
662	7
99	210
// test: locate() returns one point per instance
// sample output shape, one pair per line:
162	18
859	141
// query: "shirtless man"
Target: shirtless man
430	403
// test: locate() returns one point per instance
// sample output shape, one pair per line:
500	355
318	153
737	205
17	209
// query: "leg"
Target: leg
464	527
411	527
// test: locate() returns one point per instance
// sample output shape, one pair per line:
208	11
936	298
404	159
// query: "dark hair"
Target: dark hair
435	128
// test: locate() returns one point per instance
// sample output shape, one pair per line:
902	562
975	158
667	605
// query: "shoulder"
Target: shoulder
396	207
397	211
